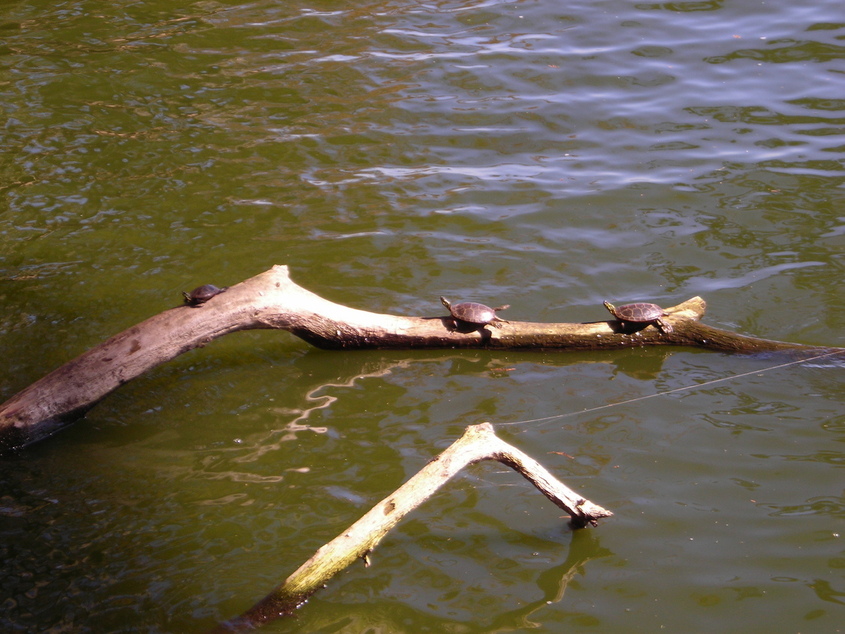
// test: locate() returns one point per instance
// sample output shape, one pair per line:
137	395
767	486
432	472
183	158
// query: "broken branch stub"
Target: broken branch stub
478	443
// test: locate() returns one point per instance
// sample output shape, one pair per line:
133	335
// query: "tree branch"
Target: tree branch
273	300
478	443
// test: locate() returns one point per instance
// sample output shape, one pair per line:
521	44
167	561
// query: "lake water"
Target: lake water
543	154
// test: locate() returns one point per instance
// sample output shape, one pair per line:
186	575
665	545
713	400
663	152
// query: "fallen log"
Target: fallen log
478	443
272	300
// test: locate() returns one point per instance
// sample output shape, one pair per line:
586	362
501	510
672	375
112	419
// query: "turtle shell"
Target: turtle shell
472	312
639	312
202	294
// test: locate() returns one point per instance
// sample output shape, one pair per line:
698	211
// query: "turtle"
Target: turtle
202	294
640	313
474	314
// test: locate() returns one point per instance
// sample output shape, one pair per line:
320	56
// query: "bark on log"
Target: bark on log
272	300
478	443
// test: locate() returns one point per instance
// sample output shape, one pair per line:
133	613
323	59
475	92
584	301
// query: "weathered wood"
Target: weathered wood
478	443
273	300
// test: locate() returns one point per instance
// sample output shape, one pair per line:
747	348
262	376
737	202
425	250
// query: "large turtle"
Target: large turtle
640	313
474	314
202	294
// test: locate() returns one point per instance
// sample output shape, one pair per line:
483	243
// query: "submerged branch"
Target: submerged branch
478	443
272	300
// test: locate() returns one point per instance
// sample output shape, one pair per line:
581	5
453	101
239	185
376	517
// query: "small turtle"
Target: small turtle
202	294
640	313
474	314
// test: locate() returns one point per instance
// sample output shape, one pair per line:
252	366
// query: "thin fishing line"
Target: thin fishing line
677	389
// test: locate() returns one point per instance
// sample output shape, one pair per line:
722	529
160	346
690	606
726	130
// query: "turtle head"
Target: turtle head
446	302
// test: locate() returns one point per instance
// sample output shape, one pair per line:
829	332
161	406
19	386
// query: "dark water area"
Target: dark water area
541	154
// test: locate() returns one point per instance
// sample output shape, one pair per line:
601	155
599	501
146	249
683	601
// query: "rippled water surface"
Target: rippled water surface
543	154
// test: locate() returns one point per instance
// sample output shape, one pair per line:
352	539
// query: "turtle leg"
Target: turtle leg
662	326
493	322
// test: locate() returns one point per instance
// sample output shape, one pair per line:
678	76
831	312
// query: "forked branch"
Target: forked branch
478	443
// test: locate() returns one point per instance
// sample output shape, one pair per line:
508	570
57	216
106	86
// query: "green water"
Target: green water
541	154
